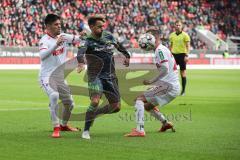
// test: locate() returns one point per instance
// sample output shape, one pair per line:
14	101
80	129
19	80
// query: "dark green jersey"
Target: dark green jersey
99	55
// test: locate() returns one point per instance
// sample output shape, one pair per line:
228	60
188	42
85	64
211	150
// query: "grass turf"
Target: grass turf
206	121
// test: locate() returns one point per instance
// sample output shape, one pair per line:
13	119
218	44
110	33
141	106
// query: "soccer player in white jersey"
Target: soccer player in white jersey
166	88
53	53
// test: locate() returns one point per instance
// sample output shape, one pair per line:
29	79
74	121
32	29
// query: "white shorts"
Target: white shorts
162	93
56	85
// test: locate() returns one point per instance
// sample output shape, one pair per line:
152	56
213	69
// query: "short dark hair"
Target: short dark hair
178	21
93	19
154	31
50	18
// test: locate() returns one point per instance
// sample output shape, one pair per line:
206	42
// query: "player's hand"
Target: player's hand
126	62
186	59
80	67
60	40
146	82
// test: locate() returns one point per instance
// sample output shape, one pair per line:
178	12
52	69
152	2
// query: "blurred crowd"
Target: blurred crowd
21	21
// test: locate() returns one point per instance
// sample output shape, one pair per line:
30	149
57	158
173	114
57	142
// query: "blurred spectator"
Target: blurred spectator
21	21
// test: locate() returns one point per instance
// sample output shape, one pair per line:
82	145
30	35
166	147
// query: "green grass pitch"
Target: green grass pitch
207	122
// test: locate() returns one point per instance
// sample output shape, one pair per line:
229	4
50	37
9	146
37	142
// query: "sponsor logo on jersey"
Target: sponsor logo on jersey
58	51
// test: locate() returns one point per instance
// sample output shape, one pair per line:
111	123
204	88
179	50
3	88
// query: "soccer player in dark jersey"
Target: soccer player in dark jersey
98	51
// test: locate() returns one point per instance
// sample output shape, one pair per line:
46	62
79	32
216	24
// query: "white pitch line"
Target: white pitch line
22	109
31	109
22	102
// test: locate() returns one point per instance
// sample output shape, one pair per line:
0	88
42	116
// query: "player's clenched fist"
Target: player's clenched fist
80	67
60	40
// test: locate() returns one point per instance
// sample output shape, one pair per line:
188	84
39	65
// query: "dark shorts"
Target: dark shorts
107	86
179	58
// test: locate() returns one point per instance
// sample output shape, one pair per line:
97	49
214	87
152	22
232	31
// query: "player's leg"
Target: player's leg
53	96
95	93
90	115
139	114
67	106
155	112
161	95
184	81
111	91
182	65
96	89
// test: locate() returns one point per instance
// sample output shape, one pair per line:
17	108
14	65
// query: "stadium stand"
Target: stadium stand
21	21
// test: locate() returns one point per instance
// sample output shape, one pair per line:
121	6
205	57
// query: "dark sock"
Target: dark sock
107	109
184	82
89	119
91	114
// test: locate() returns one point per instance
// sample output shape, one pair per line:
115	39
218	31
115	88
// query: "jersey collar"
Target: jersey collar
178	33
50	35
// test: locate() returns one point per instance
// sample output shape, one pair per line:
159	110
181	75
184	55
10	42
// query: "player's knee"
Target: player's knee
95	102
183	72
54	97
116	107
139	101
67	102
147	108
140	98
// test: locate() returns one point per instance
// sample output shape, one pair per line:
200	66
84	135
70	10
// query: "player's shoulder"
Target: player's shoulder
108	35
64	34
162	48
185	33
172	34
45	38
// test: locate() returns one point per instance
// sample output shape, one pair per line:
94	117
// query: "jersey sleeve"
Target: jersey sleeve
81	51
186	38
162	64
45	50
170	38
161	56
118	45
110	37
69	38
43	45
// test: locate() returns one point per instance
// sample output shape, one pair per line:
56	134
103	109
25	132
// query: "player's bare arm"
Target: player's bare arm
188	49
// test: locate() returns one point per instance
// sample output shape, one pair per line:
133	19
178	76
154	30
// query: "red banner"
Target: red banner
19	60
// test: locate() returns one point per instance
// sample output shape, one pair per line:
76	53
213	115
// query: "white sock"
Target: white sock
54	109
66	113
139	105
158	115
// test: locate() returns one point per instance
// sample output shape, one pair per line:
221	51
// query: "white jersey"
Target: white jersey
52	56
163	56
